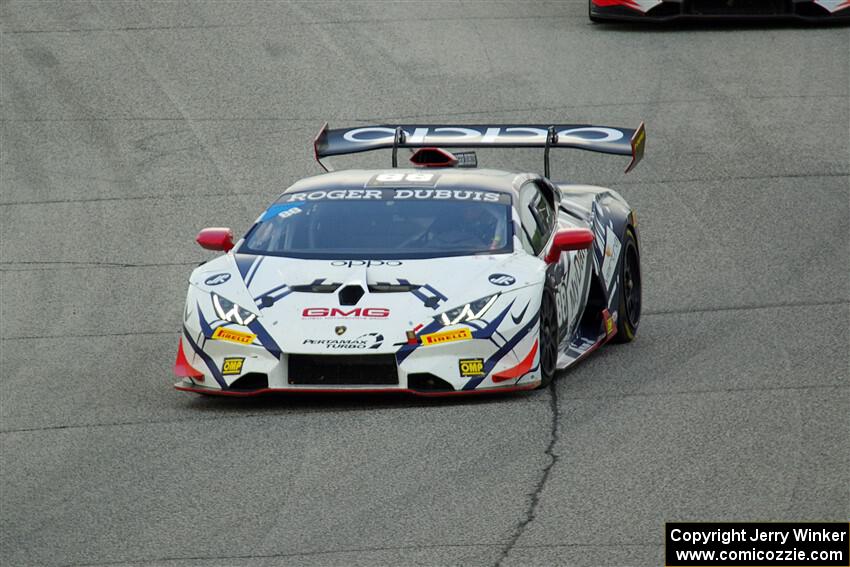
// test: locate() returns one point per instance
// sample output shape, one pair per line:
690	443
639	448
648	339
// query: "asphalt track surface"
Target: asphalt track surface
127	127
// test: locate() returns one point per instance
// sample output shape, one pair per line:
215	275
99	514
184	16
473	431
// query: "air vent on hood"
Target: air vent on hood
316	287
383	287
350	295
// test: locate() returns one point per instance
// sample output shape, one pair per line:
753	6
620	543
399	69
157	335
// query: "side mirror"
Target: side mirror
567	240
216	239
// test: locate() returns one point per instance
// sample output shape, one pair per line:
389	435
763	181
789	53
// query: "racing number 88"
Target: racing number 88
411	177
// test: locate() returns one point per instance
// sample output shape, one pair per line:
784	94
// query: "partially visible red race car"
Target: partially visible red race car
661	10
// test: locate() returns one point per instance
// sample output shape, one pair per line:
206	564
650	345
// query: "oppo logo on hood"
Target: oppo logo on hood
365	263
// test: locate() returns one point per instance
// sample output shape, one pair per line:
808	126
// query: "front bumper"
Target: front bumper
187	385
436	361
646	10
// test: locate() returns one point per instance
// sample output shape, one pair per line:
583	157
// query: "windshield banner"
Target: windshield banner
398	194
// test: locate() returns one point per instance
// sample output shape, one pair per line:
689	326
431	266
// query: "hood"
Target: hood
345	299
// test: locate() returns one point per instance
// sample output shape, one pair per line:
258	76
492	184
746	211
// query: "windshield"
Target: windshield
383	223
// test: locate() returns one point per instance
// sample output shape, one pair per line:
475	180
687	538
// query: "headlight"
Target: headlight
469	312
229	311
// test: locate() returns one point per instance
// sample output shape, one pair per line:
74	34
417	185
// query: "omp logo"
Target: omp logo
223	334
232	366
471	367
446	337
336	312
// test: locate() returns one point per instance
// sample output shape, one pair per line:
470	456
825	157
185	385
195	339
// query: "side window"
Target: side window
536	216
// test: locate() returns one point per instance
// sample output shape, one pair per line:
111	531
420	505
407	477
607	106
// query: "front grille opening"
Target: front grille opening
740	7
350	295
251	381
343	370
811	10
666	10
427	382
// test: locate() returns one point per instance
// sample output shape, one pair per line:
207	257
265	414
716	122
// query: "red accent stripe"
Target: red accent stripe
182	367
518	370
204	390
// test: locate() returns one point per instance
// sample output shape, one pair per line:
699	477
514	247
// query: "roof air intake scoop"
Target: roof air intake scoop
433	157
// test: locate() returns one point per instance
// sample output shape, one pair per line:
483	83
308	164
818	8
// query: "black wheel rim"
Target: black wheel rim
548	338
631	284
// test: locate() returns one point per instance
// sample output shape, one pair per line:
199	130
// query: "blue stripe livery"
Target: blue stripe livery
503	350
206	358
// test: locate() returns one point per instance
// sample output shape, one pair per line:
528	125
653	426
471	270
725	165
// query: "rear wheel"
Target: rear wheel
628	318
548	339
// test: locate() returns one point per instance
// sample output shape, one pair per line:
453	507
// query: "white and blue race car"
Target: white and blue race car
435	279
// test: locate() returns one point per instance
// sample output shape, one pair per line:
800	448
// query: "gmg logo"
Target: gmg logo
337	313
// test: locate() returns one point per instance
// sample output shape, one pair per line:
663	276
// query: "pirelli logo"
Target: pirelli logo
446	337
223	334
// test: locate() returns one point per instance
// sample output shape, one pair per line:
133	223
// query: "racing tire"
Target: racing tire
628	317
548	339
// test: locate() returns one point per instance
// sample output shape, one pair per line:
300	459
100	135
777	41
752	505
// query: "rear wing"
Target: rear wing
604	139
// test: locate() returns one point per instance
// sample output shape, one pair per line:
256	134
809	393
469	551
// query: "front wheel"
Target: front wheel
628	318
548	339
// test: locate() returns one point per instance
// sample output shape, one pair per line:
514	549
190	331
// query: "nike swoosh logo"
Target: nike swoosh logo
521	315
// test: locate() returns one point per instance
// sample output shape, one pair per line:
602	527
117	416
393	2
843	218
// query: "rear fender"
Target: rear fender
609	216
